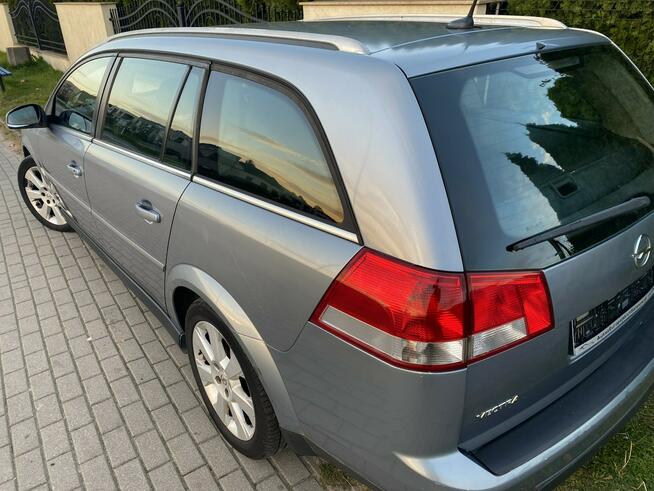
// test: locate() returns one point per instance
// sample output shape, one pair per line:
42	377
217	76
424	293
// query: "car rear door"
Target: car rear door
62	145
527	145
139	165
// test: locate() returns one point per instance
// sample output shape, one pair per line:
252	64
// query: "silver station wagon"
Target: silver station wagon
418	248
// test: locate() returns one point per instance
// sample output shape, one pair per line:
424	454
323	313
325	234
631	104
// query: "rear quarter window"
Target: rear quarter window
534	142
256	139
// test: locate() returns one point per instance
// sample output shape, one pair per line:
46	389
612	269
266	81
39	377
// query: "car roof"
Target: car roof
416	45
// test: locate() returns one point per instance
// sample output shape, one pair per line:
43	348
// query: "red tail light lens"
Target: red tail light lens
428	320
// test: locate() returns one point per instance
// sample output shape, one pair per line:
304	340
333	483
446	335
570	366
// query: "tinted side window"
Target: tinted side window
76	99
140	103
256	139
180	135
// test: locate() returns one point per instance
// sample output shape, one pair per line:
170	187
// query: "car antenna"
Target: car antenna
467	22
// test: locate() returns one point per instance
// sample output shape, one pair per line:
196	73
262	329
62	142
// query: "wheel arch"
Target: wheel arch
184	284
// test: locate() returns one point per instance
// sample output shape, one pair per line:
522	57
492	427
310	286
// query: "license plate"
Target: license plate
594	326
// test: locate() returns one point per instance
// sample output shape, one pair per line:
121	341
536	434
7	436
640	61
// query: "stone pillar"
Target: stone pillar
321	9
7	35
84	25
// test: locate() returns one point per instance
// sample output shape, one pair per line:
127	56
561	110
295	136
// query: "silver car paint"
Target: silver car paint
116	180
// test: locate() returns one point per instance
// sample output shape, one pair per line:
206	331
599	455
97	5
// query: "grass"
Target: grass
29	83
626	462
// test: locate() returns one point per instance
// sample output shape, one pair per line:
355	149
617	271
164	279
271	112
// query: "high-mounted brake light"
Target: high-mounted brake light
427	320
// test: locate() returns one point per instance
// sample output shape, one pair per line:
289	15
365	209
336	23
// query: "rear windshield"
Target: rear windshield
533	142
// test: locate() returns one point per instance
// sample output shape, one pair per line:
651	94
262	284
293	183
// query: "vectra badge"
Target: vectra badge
642	250
499	407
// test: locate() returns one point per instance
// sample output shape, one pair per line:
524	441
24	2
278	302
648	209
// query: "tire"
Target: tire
257	437
45	208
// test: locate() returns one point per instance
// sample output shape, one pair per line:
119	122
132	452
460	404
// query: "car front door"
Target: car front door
63	144
139	165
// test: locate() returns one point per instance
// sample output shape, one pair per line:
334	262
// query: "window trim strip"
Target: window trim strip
279	210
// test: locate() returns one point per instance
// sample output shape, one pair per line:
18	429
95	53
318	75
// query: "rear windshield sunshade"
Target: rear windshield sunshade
533	142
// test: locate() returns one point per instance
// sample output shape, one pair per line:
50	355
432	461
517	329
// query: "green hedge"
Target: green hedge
629	23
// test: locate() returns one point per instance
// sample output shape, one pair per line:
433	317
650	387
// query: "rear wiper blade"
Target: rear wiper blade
625	208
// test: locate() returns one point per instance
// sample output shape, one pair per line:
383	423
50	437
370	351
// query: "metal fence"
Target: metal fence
129	16
36	24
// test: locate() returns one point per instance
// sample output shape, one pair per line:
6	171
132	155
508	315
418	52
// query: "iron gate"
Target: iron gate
36	24
130	16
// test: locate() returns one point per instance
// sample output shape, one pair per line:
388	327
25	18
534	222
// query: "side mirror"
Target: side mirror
24	117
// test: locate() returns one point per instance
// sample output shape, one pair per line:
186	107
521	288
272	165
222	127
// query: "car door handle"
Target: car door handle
147	212
75	169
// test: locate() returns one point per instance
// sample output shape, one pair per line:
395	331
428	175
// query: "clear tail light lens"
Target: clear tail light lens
427	320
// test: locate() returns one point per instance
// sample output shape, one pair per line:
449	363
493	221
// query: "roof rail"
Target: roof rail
492	20
340	43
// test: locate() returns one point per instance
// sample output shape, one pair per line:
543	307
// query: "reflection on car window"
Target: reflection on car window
140	103
180	135
545	140
256	139
75	102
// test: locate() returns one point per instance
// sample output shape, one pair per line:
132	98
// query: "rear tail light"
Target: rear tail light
427	320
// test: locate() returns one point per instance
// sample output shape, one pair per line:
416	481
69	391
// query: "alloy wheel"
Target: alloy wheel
42	198
223	380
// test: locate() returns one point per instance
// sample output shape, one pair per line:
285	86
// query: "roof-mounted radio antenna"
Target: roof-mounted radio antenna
467	22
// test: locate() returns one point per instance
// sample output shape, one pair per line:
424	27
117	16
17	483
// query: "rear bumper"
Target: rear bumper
400	430
457	471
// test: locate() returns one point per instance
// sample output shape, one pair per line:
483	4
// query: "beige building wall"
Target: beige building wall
7	36
84	25
343	8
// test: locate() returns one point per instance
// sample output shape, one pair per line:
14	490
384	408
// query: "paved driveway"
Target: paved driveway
93	391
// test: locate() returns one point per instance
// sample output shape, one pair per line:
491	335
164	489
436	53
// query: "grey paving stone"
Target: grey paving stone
131	477
62	364
29	468
119	447
168	422
219	457
97	389
19	407
185	453
153	394
124	391
47	410
182	396
273	483
63	473
55	440
88	366
80	346
151	449
137	418
12	361
15	382
36	362
86	443
107	416
200	480
77	413
96	474
168	372
257	470
114	368
56	344
166	478
68	387
4	431
199	424
105	348
141	370
24	436
41	385
6	464
290	466
236	481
